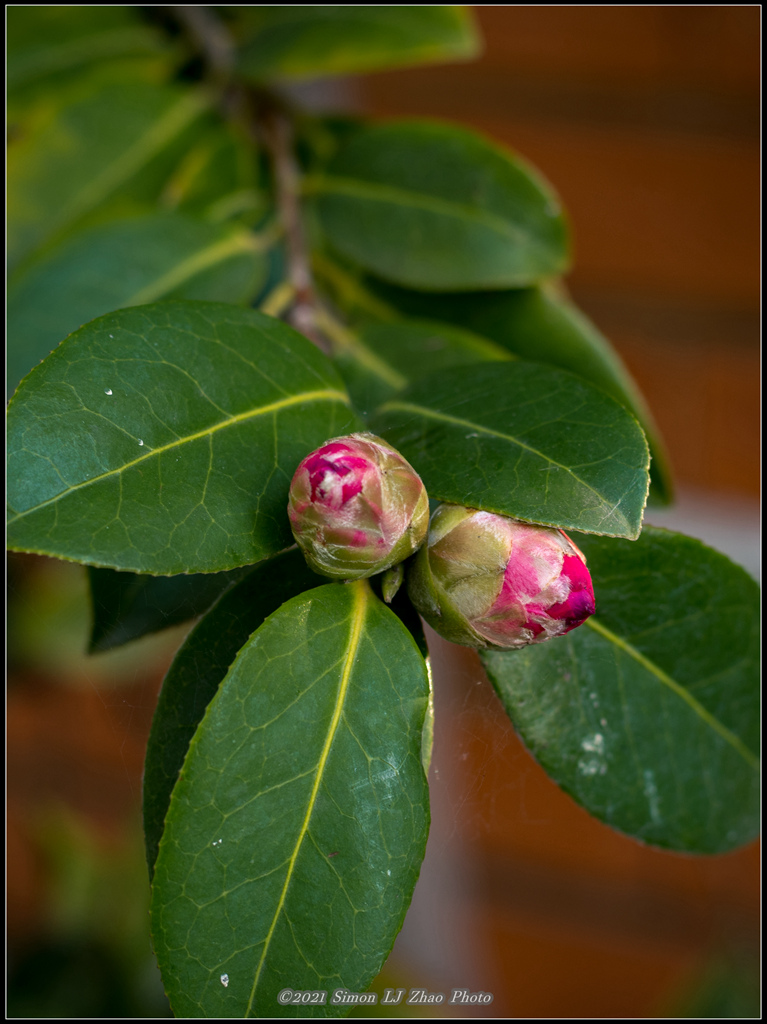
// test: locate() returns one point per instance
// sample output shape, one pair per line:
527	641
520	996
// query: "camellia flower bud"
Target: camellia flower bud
485	580
357	507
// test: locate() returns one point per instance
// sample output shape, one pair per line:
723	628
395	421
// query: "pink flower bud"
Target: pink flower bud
357	507
485	580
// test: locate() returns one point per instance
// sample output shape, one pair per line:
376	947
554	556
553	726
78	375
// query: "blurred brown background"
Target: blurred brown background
646	120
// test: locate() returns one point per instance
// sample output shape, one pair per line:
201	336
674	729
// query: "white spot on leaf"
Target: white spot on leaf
107	391
225	980
595	743
593	763
651	792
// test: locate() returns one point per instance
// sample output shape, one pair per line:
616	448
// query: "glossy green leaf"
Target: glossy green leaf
296	830
648	714
437	207
524	440
542	326
404	610
126	263
163	438
79	150
307	42
128	605
200	665
45	40
380	359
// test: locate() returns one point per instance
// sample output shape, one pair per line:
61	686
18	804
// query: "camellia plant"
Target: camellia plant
256	327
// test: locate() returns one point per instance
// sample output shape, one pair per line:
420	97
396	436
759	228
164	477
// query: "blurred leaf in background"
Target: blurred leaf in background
727	986
278	42
94	954
49	623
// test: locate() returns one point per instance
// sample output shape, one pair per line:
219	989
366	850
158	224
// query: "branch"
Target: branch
267	119
277	134
212	39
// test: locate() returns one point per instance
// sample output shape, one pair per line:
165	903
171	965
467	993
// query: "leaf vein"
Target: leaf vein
434	414
355	635
308	396
729	737
398	196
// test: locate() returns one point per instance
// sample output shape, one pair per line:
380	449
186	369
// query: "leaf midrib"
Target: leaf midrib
159	134
347	342
190	266
729	737
399	196
434	414
307	396
360	591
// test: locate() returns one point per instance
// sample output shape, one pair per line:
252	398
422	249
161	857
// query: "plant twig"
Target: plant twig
210	36
277	135
267	119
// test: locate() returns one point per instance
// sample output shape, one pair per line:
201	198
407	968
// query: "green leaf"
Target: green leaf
121	264
219	177
439	208
404	610
163	438
296	831
318	139
128	605
306	42
524	440
46	41
542	326
648	714
199	667
79	150
379	359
